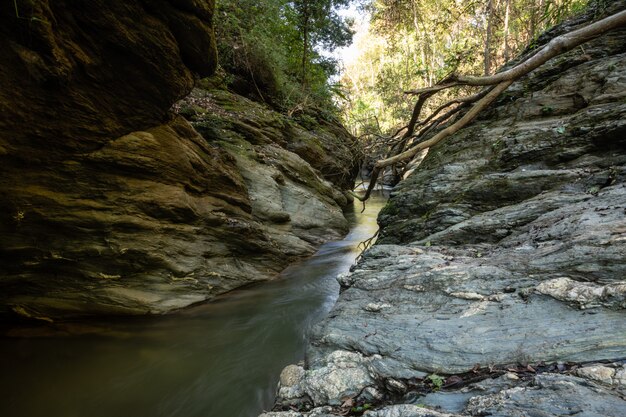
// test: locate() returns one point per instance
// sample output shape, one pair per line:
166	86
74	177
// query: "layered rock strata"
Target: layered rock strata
112	203
497	286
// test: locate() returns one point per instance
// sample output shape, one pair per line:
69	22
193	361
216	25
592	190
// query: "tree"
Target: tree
268	49
496	84
414	43
319	25
487	57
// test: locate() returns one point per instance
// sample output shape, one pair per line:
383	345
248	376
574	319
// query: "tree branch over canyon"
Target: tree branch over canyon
495	85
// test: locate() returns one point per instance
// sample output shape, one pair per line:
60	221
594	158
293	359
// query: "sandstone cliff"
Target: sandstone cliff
112	203
497	286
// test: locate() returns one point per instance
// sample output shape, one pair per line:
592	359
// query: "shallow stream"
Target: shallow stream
219	359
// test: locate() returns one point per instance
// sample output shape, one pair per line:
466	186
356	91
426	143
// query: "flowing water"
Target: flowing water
219	359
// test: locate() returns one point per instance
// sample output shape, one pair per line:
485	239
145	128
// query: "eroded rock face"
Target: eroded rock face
112	204
77	73
505	248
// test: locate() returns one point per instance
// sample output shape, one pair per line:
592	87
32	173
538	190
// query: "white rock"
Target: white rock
344	375
396	385
376	307
406	410
475	308
468	296
291	375
598	373
620	377
585	294
416	288
345	279
290	385
321	411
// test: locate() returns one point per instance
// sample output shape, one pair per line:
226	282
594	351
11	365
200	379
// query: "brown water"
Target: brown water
220	359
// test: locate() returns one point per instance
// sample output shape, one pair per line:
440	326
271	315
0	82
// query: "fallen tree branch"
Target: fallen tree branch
431	124
467	118
502	81
462	100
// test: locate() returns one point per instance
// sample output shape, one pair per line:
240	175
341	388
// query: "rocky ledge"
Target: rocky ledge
498	285
113	204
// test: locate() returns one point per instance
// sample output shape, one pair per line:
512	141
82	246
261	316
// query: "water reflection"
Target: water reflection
220	359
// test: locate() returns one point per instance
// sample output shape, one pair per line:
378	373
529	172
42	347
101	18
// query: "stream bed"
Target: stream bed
218	359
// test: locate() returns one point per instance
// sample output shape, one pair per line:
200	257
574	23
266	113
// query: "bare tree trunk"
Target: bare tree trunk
306	20
420	30
487	55
505	45
535	17
305	50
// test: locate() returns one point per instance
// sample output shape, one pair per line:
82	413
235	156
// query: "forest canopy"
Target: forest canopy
272	49
409	44
278	51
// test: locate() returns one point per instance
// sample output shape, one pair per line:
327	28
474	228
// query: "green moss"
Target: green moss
307	122
390	209
498	145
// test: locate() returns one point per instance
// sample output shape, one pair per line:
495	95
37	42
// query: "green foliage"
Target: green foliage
436	381
557	11
593	190
263	45
414	43
361	408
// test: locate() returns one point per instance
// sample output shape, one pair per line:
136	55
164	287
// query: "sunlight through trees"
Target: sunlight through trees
414	43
